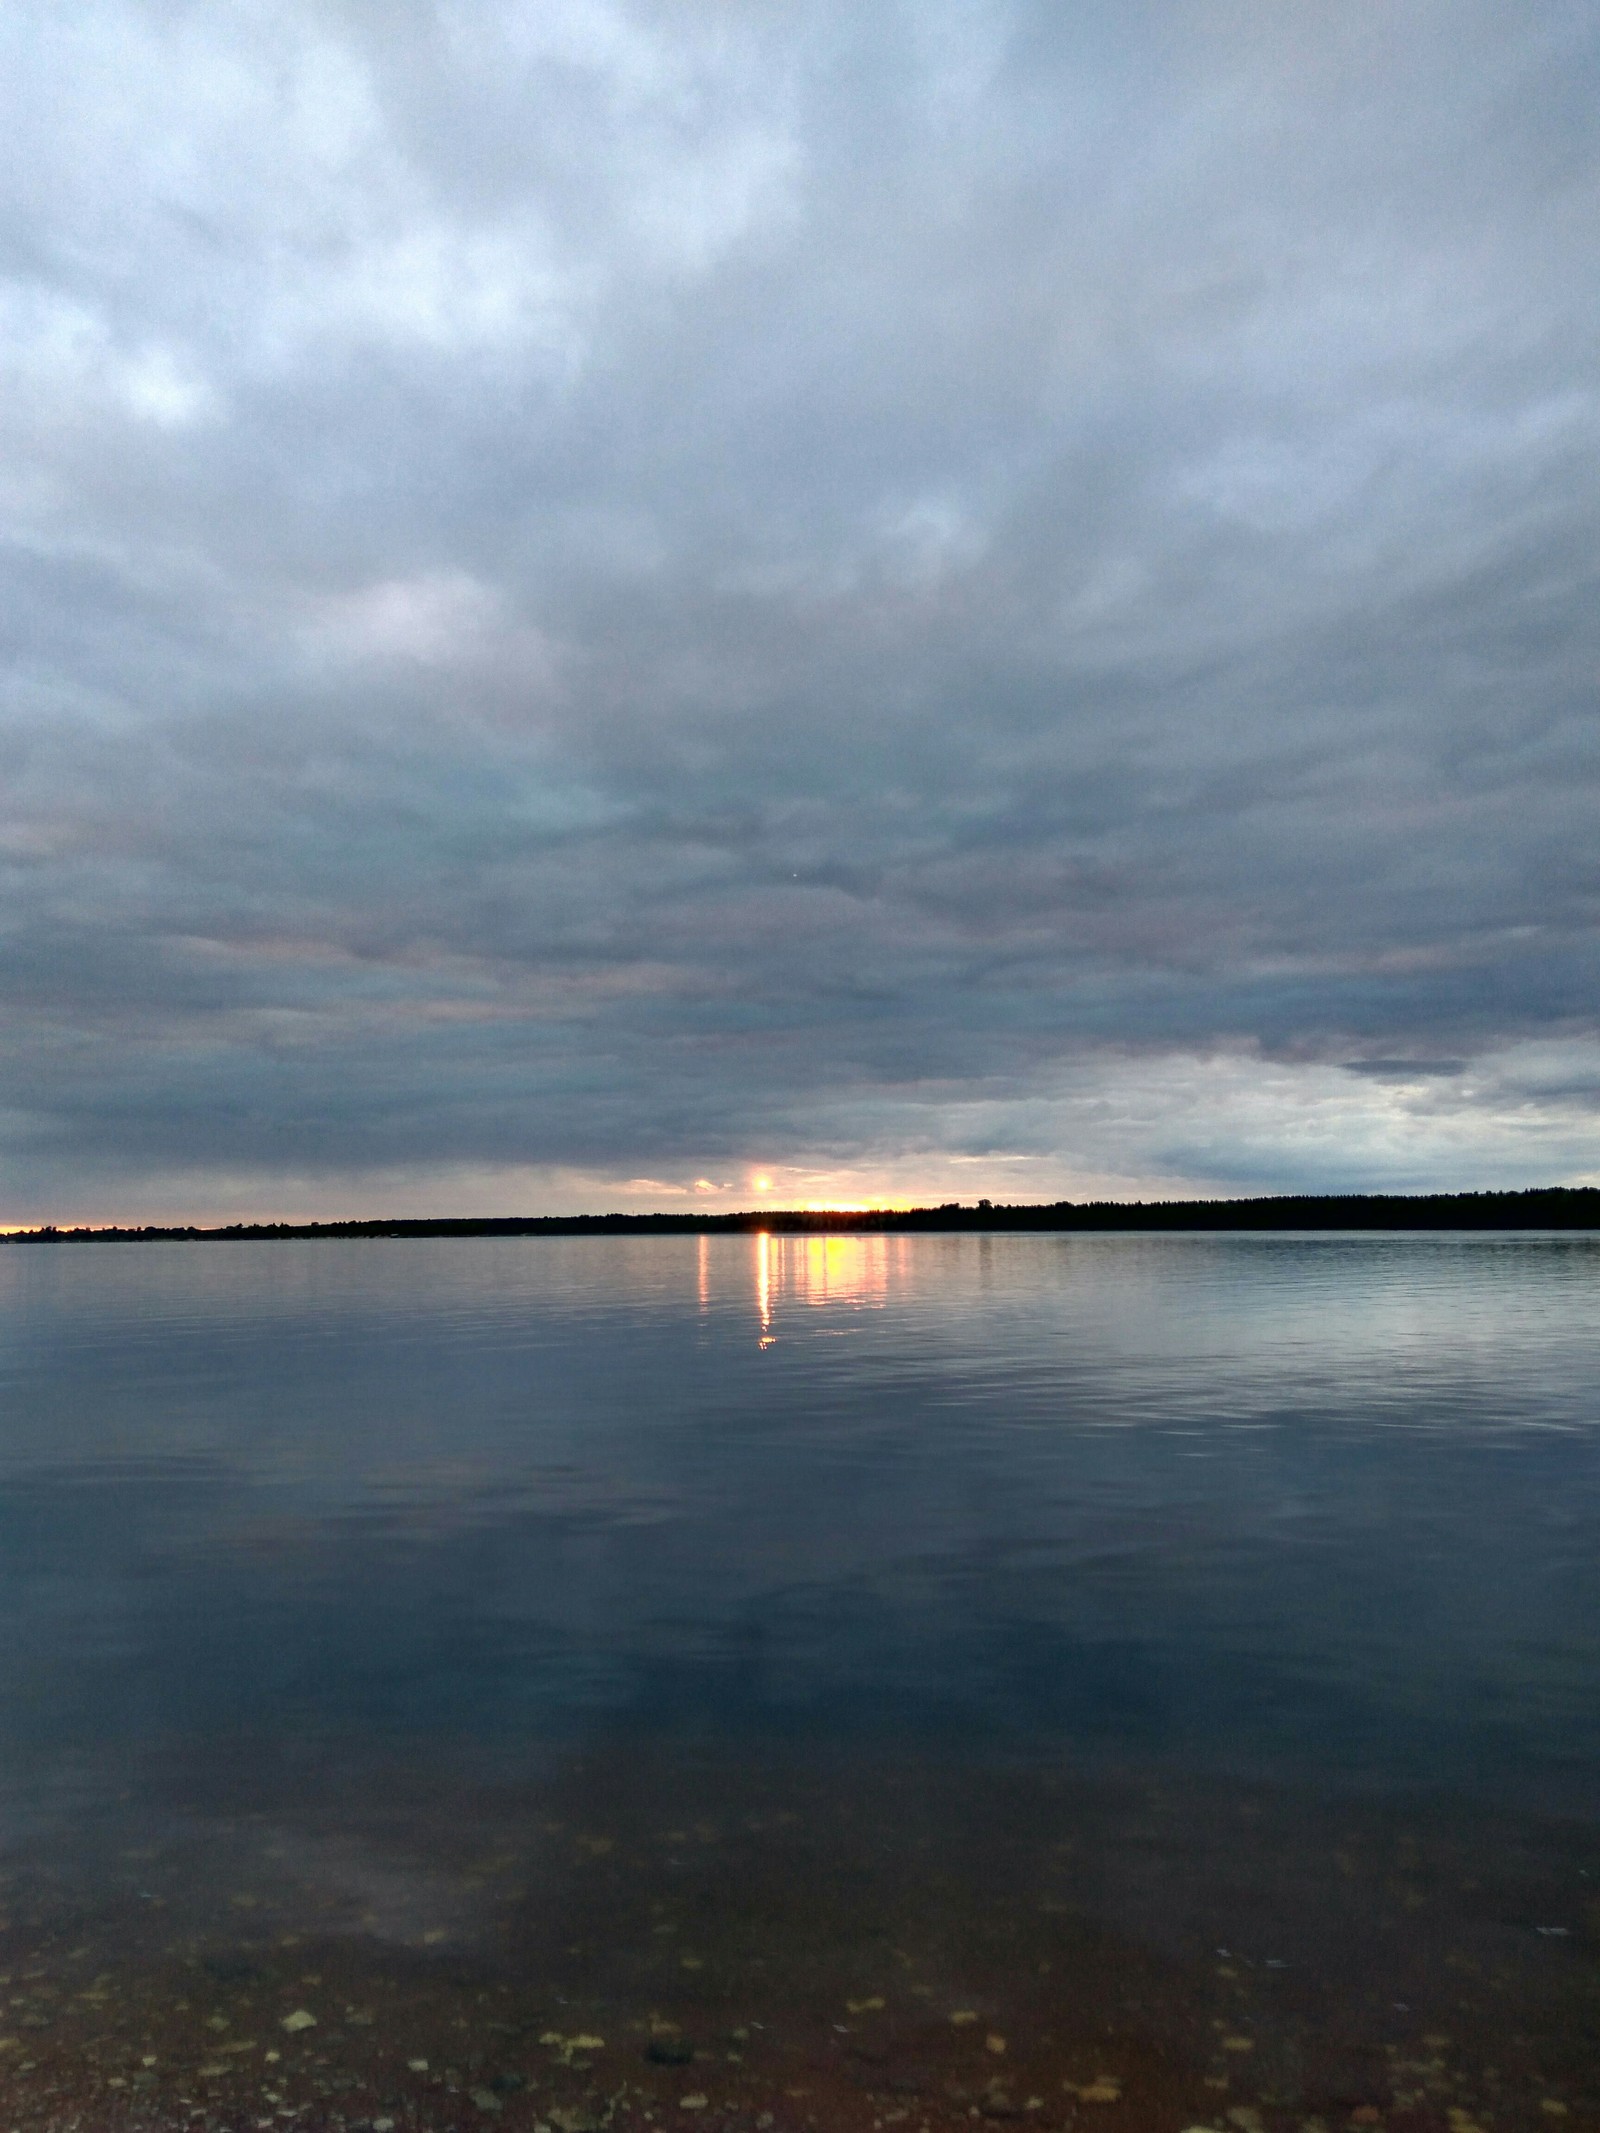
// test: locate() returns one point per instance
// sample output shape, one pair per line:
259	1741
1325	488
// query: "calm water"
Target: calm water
1177	1655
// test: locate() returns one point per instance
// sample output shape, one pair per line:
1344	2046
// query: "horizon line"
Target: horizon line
1477	1207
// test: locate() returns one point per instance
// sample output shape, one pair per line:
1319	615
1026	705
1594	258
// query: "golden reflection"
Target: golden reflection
703	1271
764	1286
843	1270
850	1273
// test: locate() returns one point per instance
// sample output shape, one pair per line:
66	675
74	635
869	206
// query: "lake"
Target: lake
801	1682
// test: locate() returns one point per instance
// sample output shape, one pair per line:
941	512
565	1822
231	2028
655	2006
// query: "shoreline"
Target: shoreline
1559	1207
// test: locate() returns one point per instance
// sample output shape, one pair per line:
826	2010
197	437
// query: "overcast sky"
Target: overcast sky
609	601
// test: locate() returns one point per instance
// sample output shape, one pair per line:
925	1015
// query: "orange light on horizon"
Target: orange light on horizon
855	1207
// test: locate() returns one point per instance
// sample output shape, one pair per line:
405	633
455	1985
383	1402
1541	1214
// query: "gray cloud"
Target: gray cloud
600	590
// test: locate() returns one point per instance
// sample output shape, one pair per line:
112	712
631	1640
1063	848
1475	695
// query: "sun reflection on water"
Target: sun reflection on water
851	1273
764	1286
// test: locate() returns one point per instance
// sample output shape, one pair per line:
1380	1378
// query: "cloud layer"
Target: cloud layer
942	598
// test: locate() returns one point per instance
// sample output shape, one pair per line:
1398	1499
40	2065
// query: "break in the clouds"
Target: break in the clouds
605	600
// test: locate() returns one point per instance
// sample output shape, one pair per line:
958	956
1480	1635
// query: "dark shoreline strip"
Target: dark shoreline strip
1559	1207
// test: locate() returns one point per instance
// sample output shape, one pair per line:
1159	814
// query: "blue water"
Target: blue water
292	1531
1241	1500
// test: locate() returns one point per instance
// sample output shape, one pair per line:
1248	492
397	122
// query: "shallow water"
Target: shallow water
876	1681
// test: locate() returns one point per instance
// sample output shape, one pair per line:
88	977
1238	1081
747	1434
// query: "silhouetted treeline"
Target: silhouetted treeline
1543	1207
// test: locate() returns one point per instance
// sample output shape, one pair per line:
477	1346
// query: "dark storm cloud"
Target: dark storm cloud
600	588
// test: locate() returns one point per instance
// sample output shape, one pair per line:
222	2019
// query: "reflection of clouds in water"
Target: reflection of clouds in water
1024	1481
352	1884
428	1876
426	1501
433	1663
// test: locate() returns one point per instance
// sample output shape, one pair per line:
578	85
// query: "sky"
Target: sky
615	603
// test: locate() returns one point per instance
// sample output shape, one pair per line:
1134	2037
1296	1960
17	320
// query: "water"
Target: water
874	1681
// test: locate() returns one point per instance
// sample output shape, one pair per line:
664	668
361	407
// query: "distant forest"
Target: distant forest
1544	1207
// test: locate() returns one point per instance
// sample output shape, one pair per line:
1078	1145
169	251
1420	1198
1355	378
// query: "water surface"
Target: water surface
1177	1655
